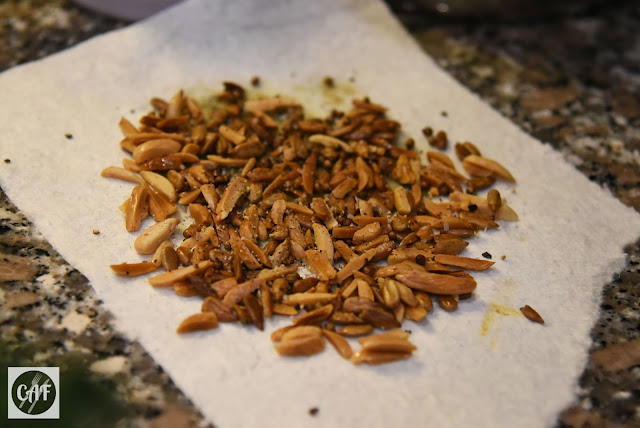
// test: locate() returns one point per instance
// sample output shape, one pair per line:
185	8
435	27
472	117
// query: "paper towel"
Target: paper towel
473	367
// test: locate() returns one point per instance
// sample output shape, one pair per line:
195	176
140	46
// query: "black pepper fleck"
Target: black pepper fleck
420	259
255	81
313	411
486	255
328	82
68	136
7	161
473	208
444	113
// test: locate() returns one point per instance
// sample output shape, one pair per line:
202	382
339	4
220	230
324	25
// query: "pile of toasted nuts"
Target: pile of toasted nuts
329	221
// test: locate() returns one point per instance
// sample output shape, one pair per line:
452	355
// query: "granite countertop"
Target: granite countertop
573	82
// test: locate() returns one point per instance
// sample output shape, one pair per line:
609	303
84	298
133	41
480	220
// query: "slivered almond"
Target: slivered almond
237	293
299	209
127	127
355	264
401	200
494	199
395	269
136	208
436	283
308	298
167	279
345	251
240	249
258	252
341	190
303	346
196	322
150	238
364	290
320	208
121	174
463	262
329	141
230	197
282	309
339	343
161	184
390	293
309	173
494	167
323	241
531	314
386	343
155	149
133	269
320	265
187	197
375	358
415	313
216	161
367	233
315	316
213	304
231	135
506	213
355	330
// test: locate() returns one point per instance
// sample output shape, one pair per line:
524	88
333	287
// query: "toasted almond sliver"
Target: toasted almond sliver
230	197
199	321
401	200
506	213
355	264
136	208
324	244
150	239
308	298
374	358
268	104
127	127
231	135
488	164
187	197
121	174
309	173
161	184
463	262
367	233
354	330
297	208
320	265
386	343
282	309
436	283
315	316
329	141
302	346
236	294
133	269
339	343
155	149
531	314
167	279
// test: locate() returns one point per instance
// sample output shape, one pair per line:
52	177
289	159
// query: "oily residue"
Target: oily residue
494	311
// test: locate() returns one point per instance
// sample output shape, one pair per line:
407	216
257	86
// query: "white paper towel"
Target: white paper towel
473	367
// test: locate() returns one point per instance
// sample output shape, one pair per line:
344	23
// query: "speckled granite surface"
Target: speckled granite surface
573	82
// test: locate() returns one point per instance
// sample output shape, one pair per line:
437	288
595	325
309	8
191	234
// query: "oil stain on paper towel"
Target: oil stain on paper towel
500	307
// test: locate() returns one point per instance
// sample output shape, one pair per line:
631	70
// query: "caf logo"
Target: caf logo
34	393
